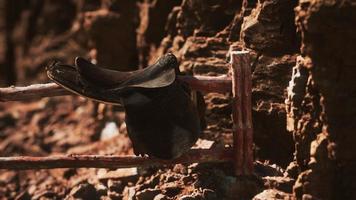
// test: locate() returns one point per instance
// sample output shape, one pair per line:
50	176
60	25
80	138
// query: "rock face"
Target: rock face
270	28
113	48
275	142
321	109
272	194
191	30
153	19
202	46
304	110
275	52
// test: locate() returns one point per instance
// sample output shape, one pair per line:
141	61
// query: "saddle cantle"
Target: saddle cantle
161	119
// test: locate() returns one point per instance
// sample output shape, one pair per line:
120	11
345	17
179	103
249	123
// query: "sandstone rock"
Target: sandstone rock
269	79
129	193
209	194
270	27
190	197
292	170
123	173
161	197
273	194
115	185
203	144
303	110
109	131
265	169
101	189
179	168
84	191
206	18
284	184
114	195
323	129
187	197
147	194
152	28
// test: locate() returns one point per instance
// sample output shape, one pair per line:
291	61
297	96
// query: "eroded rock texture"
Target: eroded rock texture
304	110
269	115
270	28
200	34
191	30
321	109
275	56
151	30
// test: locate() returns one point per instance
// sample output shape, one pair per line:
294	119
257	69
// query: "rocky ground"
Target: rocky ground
72	125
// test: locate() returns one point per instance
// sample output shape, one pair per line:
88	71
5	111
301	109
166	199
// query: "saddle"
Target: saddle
161	119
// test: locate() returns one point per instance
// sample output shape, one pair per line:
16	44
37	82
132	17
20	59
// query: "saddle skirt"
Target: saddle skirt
161	119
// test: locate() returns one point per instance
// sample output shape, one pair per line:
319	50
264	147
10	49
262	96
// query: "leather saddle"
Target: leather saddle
161	119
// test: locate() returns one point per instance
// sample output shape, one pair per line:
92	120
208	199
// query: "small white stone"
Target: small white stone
110	130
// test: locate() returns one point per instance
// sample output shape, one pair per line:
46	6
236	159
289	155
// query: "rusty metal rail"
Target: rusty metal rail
241	154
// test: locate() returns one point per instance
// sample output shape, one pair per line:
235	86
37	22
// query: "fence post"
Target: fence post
241	112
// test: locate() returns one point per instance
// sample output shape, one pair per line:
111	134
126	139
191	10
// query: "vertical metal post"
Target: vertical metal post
241	112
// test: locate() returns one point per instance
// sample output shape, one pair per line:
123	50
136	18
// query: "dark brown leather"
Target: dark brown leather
161	119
